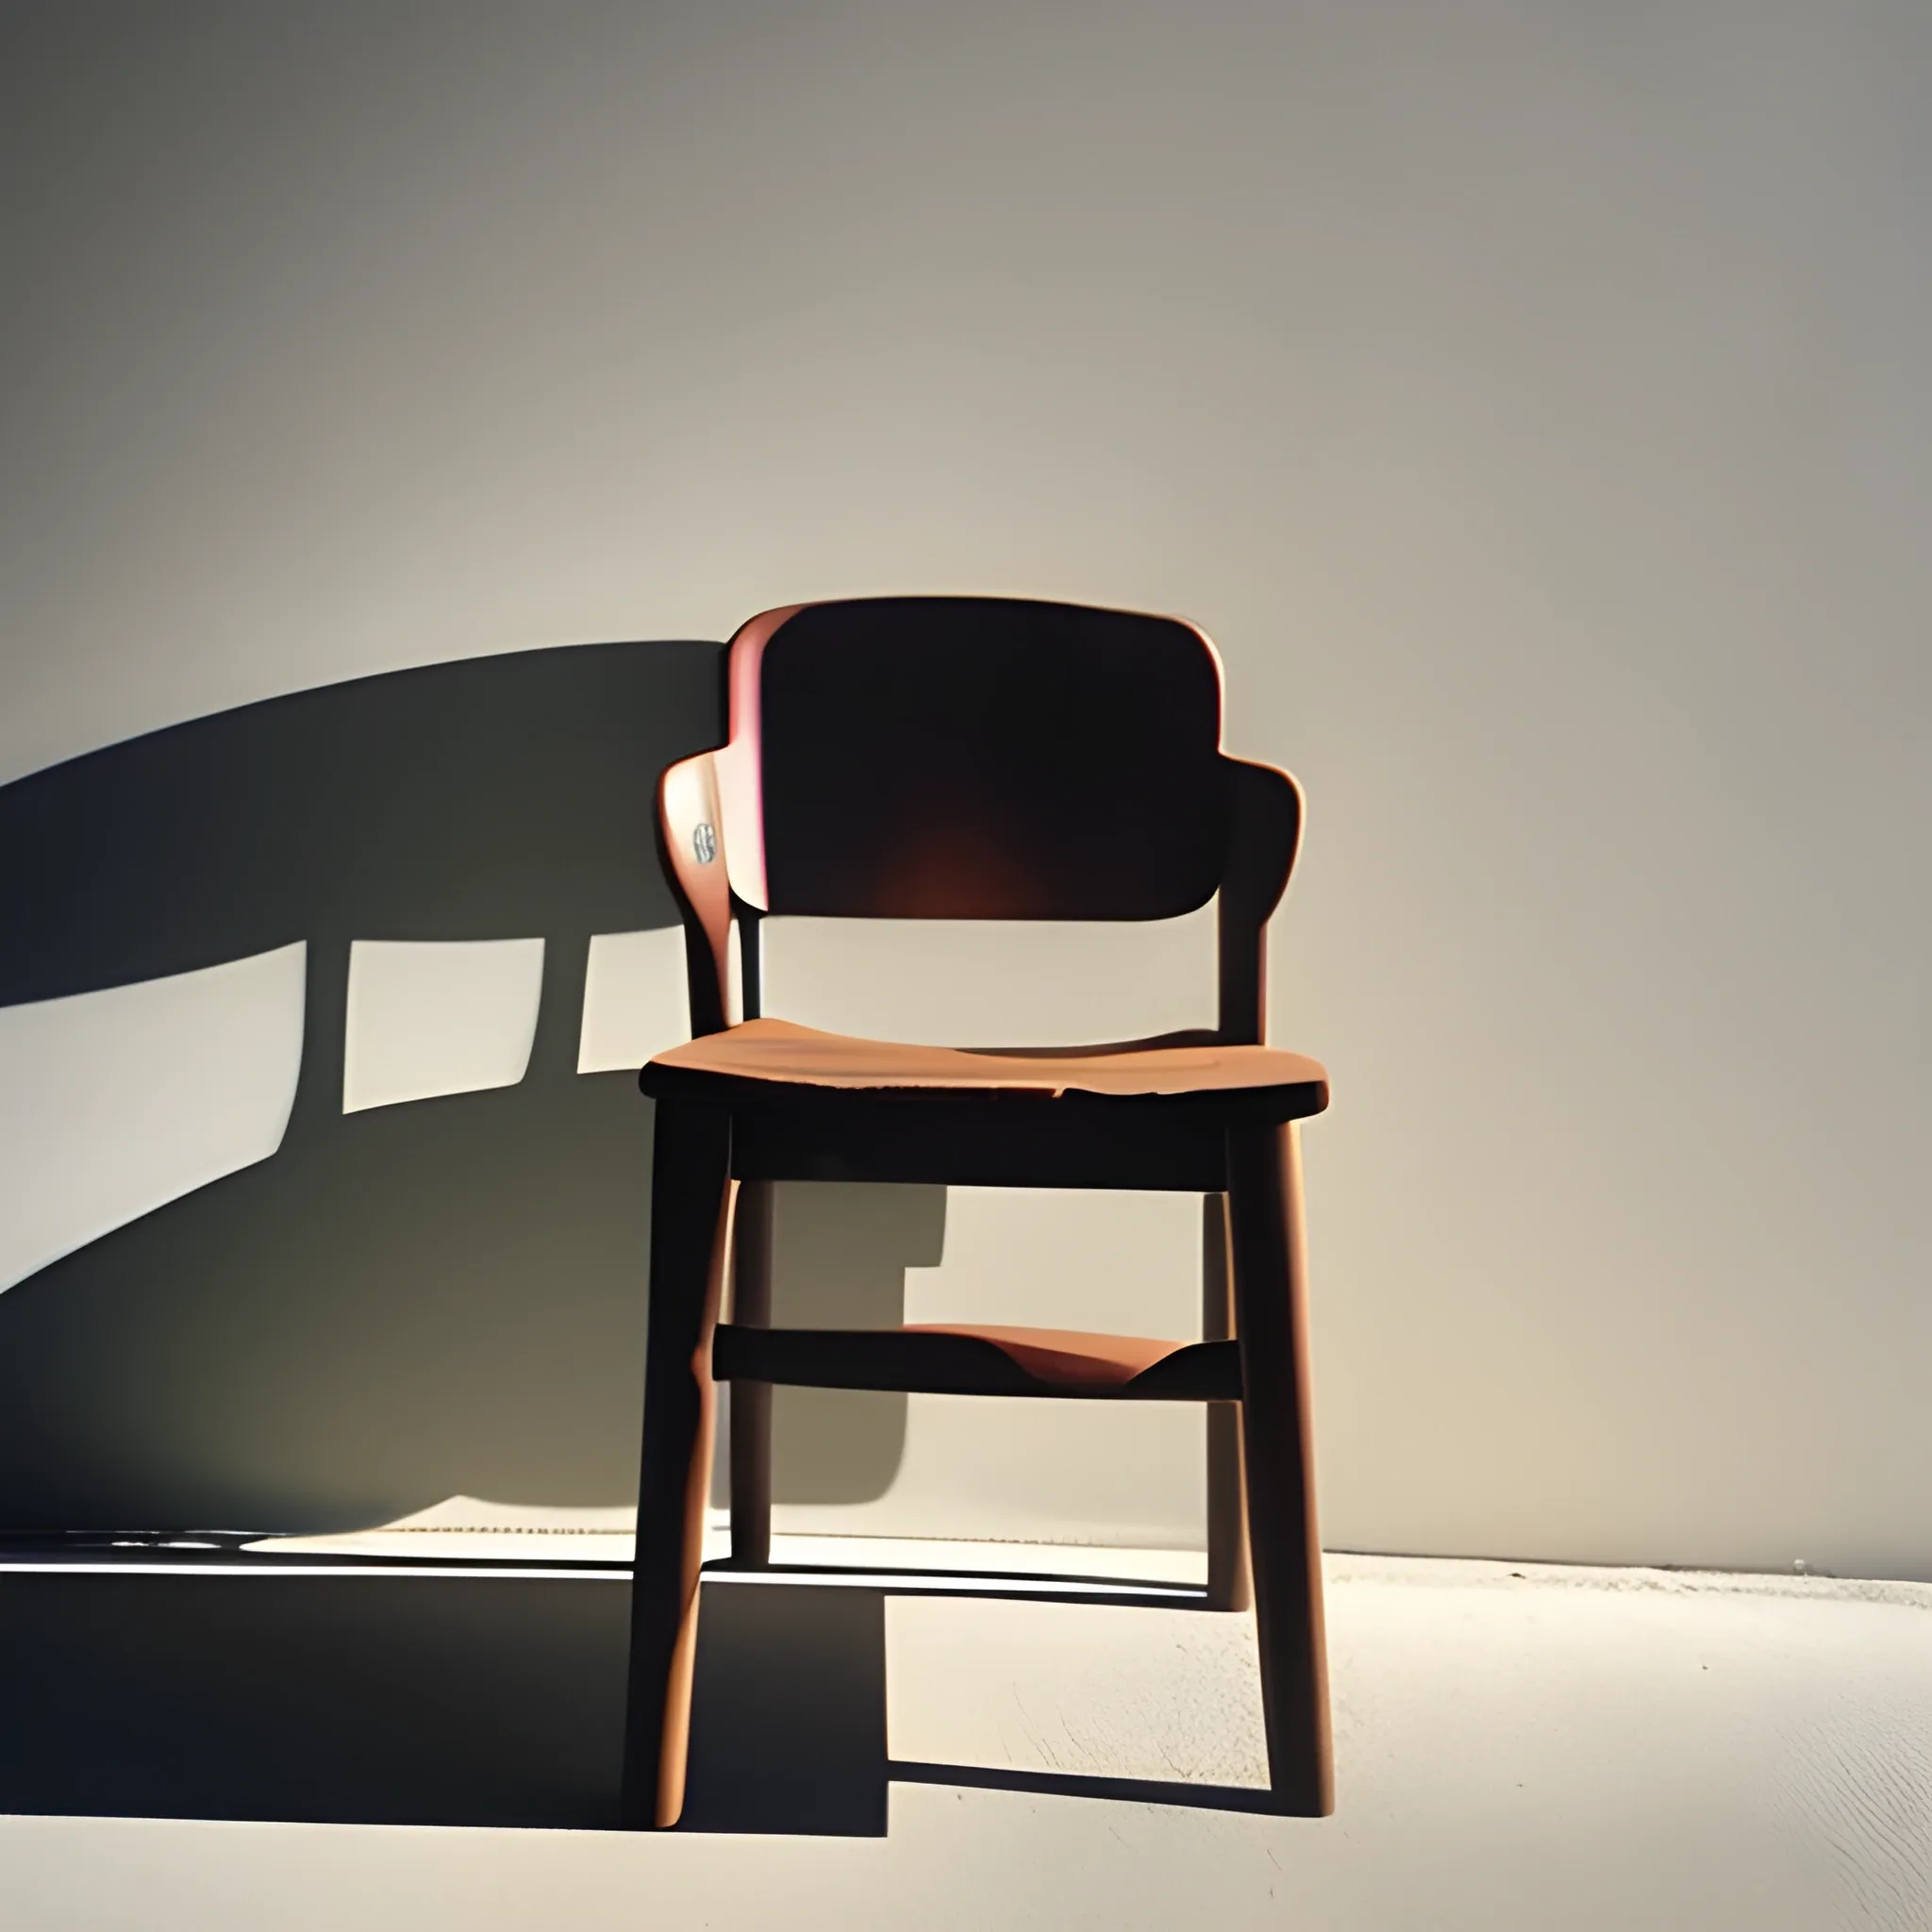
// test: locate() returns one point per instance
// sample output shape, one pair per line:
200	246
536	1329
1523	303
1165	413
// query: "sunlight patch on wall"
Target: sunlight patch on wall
635	999
429	1018
113	1103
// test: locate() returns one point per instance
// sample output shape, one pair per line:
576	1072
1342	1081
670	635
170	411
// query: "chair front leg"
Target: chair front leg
1270	1322
691	1240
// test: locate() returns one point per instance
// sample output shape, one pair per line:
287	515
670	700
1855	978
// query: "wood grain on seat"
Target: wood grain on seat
776	1050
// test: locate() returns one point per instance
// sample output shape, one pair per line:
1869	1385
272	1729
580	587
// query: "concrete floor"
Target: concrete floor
1517	1746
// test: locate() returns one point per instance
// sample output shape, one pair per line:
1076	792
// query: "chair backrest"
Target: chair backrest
967	758
972	758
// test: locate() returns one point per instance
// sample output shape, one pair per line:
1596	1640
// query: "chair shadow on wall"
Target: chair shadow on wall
413	1302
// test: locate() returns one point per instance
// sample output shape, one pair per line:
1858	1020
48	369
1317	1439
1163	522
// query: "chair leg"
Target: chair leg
690	1225
1270	1322
752	1233
1229	1584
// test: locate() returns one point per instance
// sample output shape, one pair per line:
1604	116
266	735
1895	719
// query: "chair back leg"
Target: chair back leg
1229	1583
753	1229
1270	1259
691	1240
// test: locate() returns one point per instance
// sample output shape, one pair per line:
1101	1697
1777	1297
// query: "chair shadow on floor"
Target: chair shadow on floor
384	1699
788	1721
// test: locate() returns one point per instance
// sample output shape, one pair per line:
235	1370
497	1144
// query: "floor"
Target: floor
1517	1746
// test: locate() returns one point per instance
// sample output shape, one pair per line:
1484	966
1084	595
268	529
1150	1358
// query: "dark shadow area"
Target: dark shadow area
788	1713
439	1299
494	797
442	1298
365	1699
424	1700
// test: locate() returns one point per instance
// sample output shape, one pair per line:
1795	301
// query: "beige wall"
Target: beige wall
1532	401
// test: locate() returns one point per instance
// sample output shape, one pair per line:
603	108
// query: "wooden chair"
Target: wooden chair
966	757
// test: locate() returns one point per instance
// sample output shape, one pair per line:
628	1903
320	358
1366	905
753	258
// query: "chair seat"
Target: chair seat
777	1053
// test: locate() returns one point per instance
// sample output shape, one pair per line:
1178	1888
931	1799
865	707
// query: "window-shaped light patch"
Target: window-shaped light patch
113	1103
428	1019
635	1001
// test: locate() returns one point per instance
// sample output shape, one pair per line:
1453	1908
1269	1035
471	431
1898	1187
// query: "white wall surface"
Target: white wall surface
1531	400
